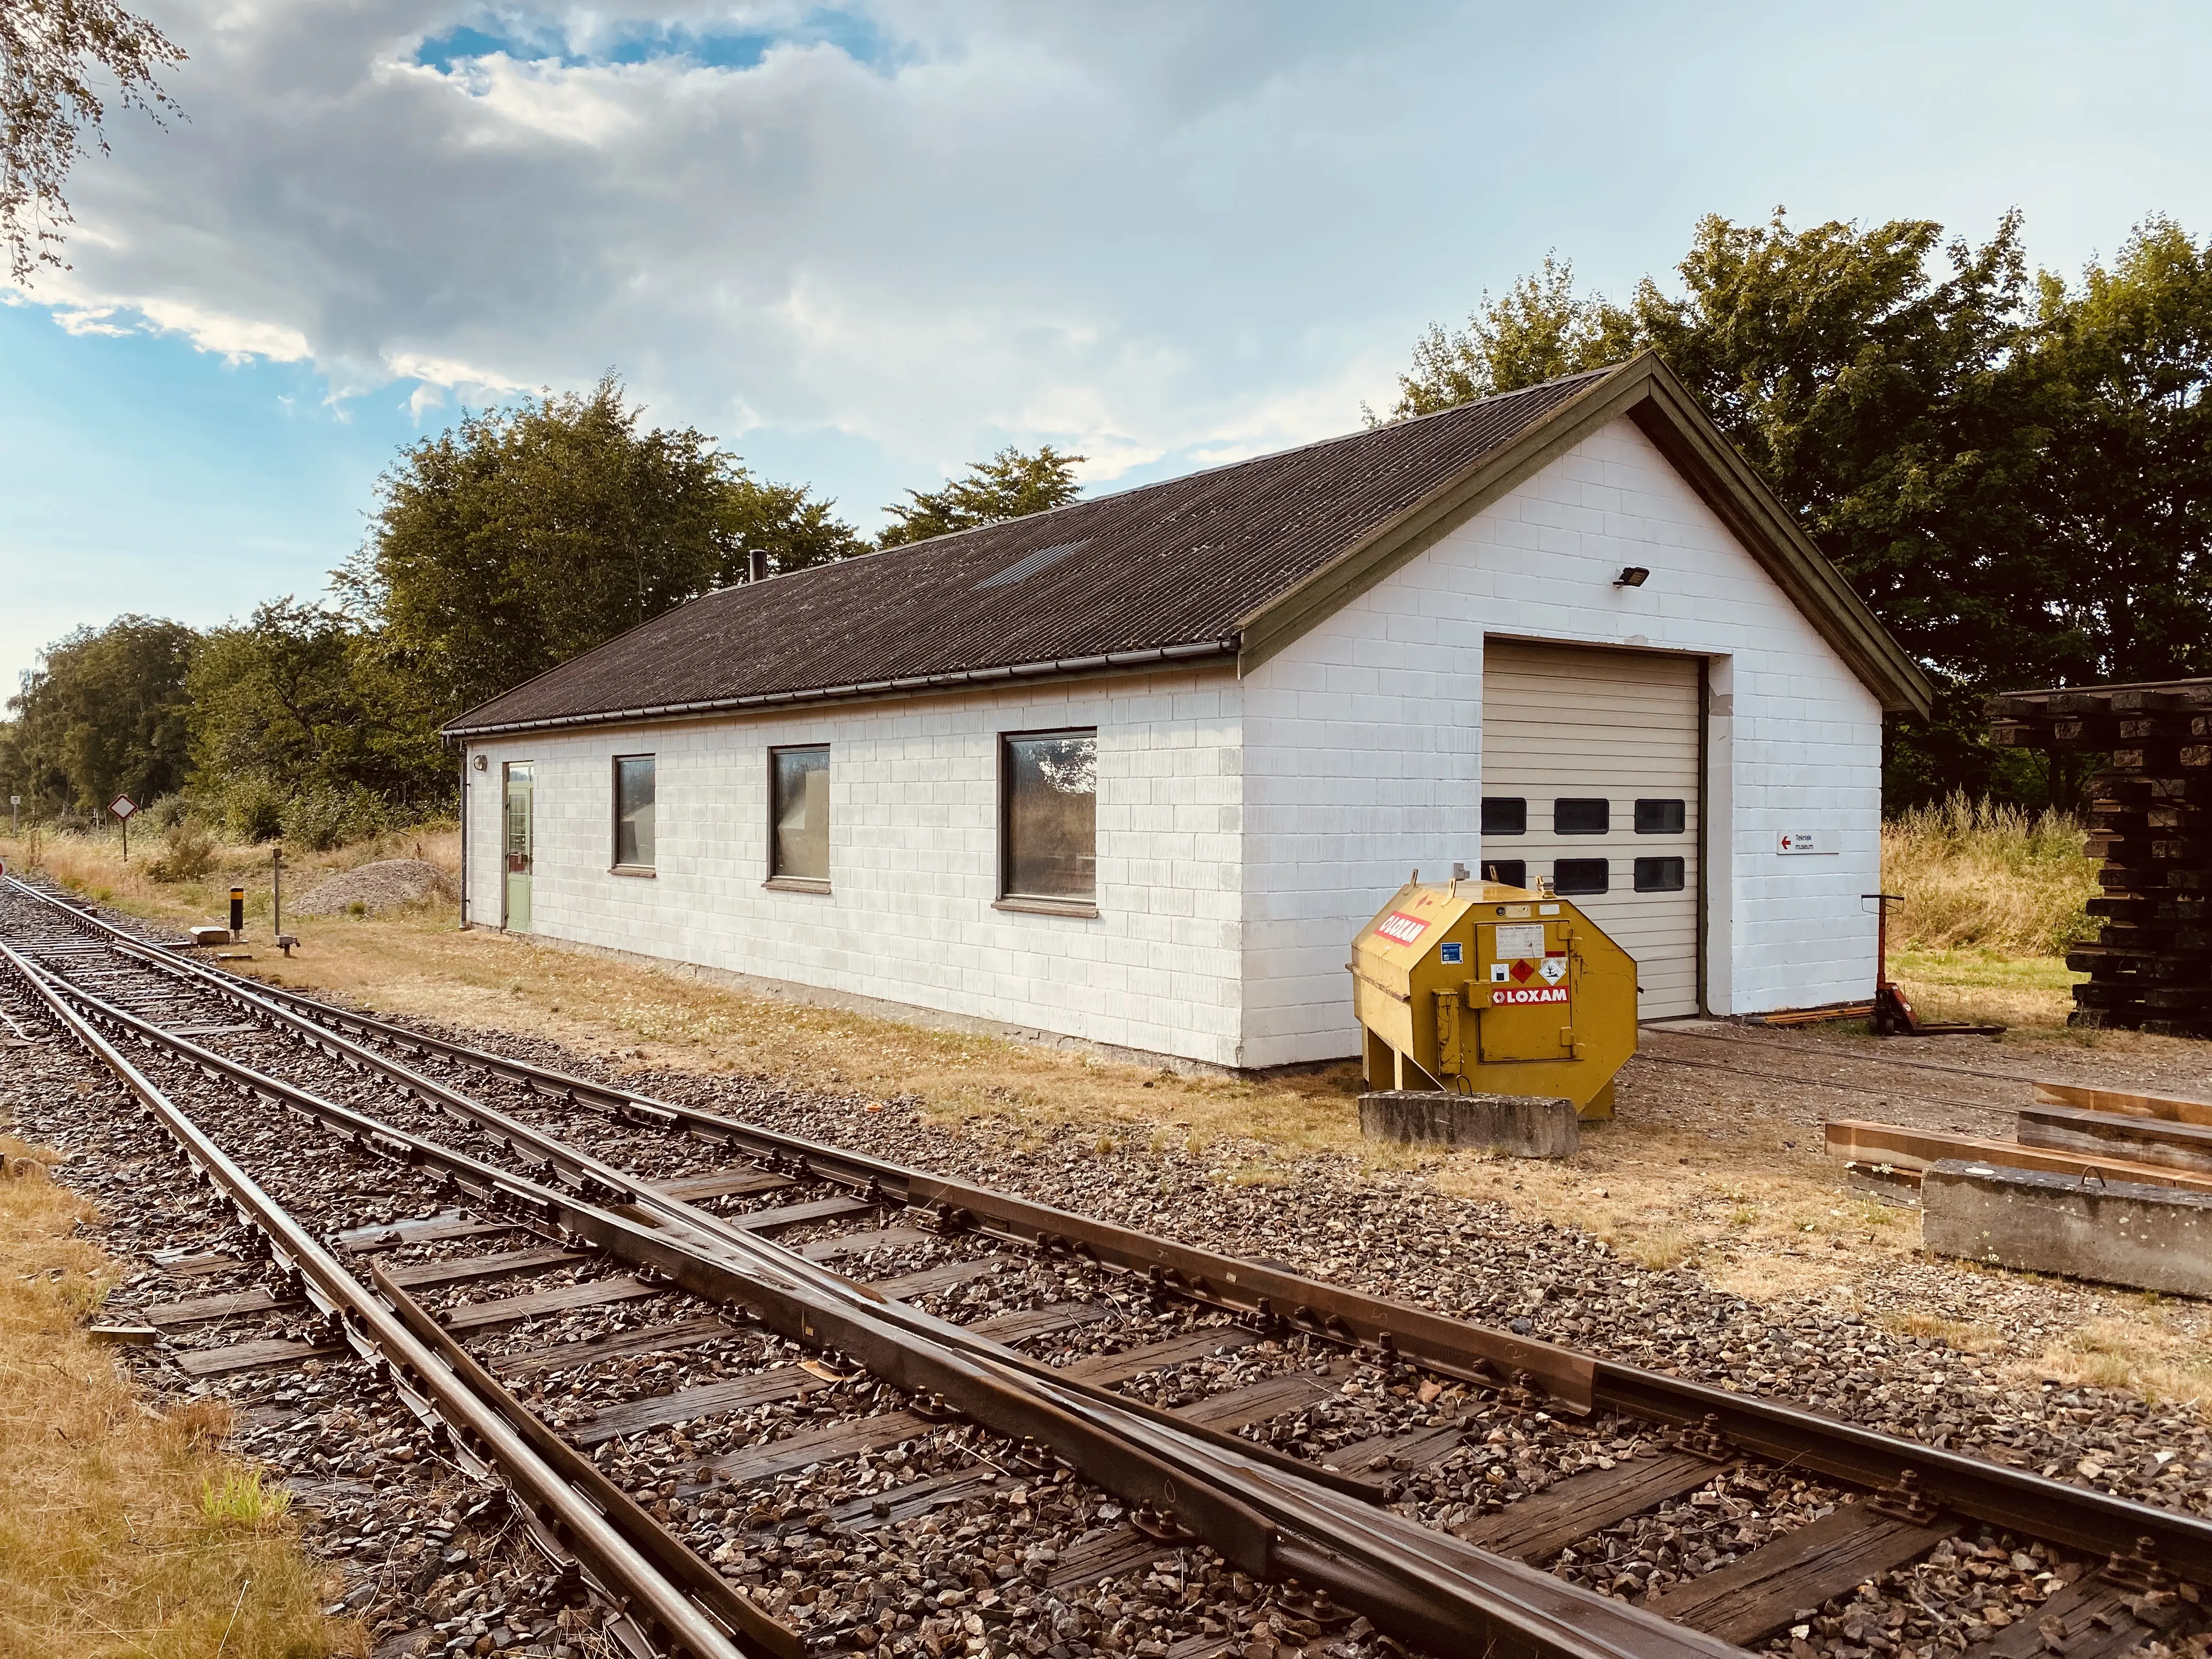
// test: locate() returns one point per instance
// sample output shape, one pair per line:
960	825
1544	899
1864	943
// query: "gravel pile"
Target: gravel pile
387	884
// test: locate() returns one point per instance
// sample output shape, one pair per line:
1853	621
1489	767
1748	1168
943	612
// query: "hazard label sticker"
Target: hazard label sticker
1406	930
1510	996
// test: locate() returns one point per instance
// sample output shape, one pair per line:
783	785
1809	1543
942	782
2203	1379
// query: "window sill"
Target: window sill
1040	907
644	870
795	885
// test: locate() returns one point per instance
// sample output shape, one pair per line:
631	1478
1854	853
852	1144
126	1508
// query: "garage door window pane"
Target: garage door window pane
1661	817
1510	872
1051	817
633	812
1504	814
1581	876
801	847
1580	818
1658	875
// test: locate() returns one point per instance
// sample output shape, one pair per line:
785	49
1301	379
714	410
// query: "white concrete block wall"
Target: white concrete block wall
913	858
1246	830
1364	755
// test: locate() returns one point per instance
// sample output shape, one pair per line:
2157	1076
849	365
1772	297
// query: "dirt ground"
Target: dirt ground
1715	1162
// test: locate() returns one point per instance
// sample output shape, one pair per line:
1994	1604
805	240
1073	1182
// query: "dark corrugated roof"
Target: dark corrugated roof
1164	569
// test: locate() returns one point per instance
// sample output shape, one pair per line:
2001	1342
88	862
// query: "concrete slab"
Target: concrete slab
2151	1238
1520	1126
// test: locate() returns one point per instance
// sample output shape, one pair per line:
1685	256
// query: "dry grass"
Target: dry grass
1756	1215
2139	1352
125	1531
1966	1337
1991	877
93	865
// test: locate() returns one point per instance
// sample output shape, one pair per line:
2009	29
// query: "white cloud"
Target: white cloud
965	223
1153	232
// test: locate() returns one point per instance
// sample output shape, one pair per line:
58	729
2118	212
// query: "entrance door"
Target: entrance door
1589	776
518	846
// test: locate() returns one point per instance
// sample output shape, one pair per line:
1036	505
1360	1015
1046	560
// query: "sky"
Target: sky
865	245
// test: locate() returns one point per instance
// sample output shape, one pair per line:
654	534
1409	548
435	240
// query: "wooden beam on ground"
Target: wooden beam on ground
1895	1144
2168	1144
2172	1108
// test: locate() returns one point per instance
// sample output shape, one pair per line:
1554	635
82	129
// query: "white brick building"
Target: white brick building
1261	692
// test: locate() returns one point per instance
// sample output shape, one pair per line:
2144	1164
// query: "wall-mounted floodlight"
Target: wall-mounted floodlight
1634	575
480	762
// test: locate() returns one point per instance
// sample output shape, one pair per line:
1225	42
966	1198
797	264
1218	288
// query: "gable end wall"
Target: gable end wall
1363	741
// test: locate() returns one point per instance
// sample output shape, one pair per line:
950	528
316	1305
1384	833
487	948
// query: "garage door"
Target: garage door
1589	776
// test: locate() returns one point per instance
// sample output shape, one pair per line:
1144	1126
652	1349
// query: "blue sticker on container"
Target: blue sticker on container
1451	951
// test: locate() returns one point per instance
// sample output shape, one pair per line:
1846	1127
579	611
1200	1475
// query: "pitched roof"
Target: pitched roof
1230	563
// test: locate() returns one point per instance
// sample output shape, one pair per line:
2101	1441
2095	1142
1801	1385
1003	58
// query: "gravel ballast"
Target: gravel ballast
982	1569
387	884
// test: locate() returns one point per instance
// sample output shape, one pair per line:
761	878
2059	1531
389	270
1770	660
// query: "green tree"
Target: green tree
529	533
1010	485
104	713
51	54
299	698
1541	330
795	530
2013	473
2125	502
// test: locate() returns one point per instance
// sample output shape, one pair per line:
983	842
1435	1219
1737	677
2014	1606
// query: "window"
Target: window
1048	818
1659	818
1581	876
633	812
1658	875
798	816
1509	873
1504	814
1581	818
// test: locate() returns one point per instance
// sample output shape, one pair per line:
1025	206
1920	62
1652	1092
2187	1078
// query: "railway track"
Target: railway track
699	1352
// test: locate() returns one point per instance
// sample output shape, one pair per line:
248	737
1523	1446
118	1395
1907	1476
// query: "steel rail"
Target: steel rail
1278	1299
2019	1500
1429	1587
625	1576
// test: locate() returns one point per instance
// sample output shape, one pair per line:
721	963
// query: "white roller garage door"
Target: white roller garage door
1589	776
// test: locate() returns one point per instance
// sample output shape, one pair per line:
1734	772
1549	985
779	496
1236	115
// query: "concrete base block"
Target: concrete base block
2150	1238
211	936
1520	1126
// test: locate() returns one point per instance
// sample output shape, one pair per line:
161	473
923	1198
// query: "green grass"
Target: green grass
1980	969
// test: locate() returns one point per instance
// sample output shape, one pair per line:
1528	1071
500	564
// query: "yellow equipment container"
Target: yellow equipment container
1487	989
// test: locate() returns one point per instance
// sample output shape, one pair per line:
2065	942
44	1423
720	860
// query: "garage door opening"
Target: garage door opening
1591	775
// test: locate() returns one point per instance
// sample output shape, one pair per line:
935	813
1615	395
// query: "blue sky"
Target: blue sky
866	244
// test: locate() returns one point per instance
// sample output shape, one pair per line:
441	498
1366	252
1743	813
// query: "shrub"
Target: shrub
319	817
188	850
252	808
